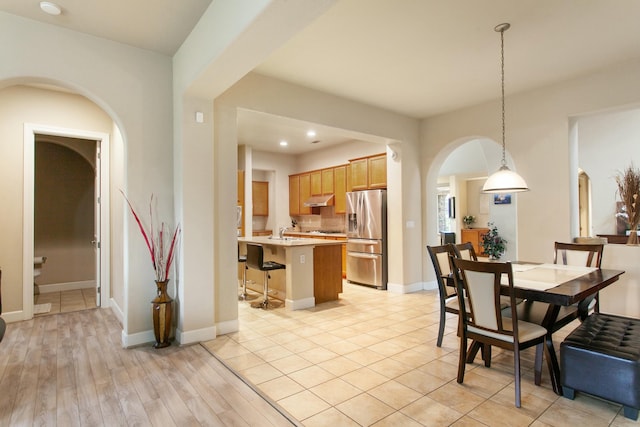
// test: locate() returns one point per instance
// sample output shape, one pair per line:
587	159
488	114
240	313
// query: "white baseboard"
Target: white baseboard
137	339
397	288
227	327
300	304
13	316
430	285
193	337
67	286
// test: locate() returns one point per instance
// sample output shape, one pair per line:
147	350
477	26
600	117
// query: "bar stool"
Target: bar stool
255	260
244	296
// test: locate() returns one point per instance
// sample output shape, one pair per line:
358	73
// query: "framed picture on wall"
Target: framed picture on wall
502	199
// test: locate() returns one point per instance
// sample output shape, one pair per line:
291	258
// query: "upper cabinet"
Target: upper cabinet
294	195
340	188
316	183
327	181
305	193
368	172
260	198
377	171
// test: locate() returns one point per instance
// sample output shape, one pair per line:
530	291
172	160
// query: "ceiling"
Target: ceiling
415	57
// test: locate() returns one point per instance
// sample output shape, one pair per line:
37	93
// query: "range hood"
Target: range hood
314	201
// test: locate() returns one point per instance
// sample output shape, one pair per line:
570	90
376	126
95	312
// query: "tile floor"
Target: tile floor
67	301
370	359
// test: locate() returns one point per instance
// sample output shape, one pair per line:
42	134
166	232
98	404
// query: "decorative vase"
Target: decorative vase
633	235
162	310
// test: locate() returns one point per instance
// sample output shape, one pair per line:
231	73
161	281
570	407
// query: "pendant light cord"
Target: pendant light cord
502	28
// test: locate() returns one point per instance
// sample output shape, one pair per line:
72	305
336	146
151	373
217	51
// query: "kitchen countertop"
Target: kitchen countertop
314	233
287	241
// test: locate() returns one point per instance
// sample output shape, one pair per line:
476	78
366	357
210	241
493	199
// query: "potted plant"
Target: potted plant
629	189
492	243
468	220
161	244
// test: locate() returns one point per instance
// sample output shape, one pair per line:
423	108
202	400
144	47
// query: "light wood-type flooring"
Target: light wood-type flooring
69	369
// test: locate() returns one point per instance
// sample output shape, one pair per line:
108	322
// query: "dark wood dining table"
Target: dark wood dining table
564	294
557	295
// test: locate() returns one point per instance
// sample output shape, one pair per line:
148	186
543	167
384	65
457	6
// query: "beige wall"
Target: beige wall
19	105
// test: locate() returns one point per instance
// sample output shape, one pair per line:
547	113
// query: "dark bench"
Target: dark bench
602	358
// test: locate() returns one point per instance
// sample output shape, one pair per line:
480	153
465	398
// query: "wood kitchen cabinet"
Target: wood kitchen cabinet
305	193
316	183
474	235
377	171
340	189
328	181
260	198
299	192
358	174
294	195
368	173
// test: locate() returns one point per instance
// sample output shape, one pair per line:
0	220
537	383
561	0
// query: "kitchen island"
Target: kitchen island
313	271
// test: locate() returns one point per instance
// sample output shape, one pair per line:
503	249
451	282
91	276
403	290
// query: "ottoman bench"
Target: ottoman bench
601	357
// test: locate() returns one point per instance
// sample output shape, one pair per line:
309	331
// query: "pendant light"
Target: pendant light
504	180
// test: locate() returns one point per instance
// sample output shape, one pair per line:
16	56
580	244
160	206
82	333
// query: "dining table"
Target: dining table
558	286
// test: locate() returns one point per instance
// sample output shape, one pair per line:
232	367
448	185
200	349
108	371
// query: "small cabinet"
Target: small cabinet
377	171
328	181
260	198
305	193
340	189
294	195
316	183
358	174
474	235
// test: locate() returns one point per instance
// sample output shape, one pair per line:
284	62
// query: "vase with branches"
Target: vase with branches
492	243
161	243
628	183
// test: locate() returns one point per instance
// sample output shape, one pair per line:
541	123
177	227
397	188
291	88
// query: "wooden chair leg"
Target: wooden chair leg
538	364
462	361
443	317
516	373
473	350
486	355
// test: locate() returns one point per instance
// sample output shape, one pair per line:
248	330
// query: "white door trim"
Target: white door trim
30	131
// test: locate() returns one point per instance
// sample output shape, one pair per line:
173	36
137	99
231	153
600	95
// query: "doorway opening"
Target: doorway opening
65	228
69	228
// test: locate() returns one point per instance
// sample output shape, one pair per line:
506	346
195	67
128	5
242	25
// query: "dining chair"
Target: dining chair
482	320
448	298
581	254
465	251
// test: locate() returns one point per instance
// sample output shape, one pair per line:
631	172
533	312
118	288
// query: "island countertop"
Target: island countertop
287	241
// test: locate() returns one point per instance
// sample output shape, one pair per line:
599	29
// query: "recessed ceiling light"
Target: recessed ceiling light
311	133
283	143
50	8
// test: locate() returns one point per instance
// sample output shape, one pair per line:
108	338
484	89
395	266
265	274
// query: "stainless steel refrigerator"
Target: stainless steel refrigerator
367	238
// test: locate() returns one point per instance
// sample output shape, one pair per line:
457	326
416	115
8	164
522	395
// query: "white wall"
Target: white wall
607	143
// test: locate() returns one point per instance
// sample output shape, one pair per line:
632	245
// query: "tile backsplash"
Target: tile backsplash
327	219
